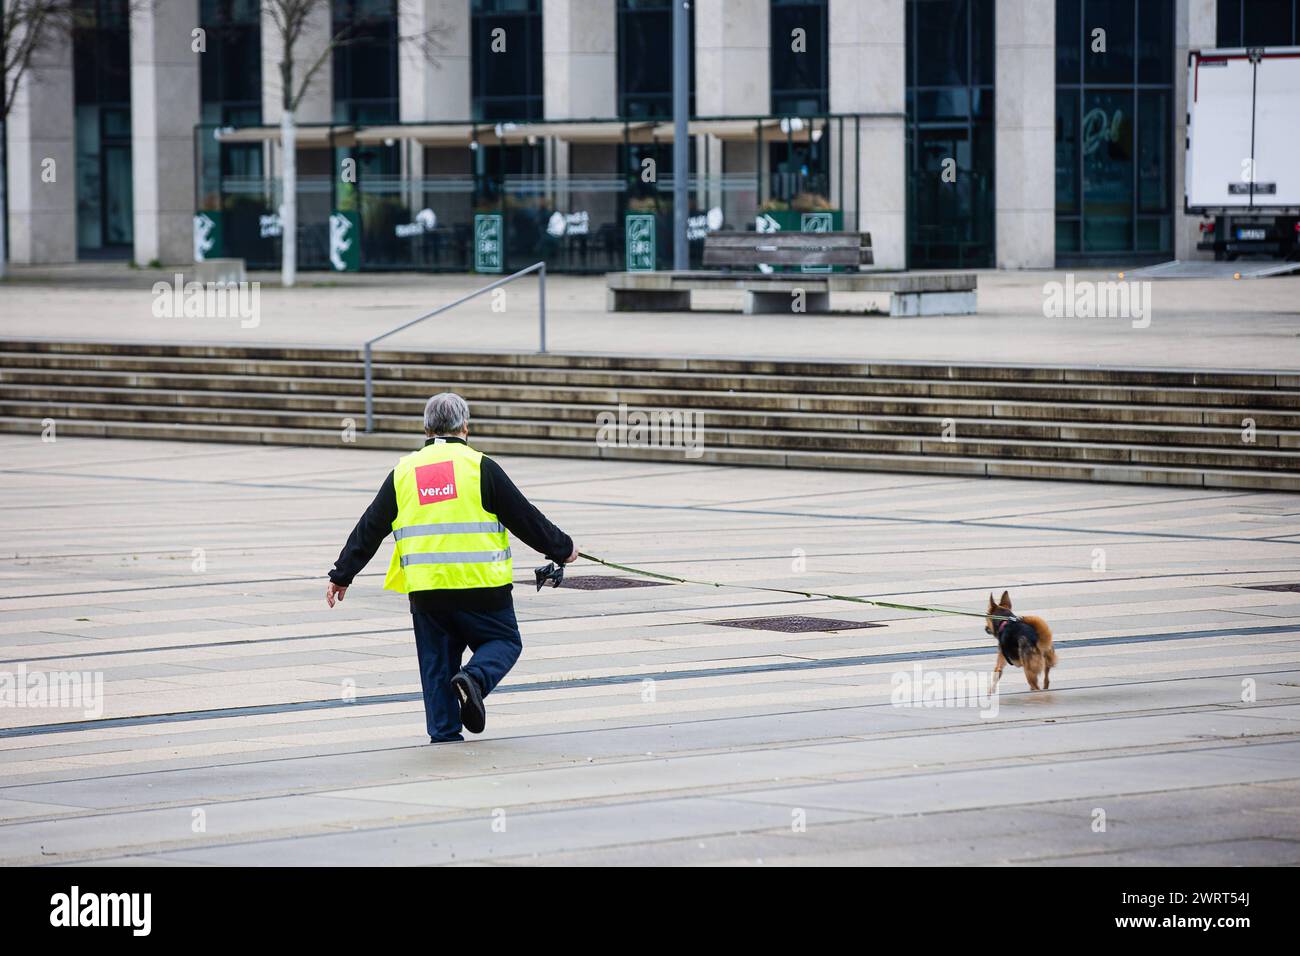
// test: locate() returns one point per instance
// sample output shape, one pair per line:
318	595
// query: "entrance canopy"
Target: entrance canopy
728	129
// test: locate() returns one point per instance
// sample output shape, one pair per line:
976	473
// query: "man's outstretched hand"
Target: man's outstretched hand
573	557
334	592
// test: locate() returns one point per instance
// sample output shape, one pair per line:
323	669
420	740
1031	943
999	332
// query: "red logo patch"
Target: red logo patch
436	482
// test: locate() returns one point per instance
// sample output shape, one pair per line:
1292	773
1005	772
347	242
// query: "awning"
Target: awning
744	130
430	134
307	137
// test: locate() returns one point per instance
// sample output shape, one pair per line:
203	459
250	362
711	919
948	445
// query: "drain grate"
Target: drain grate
602	582
1272	587
795	624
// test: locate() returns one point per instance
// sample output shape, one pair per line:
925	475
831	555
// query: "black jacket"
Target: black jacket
500	497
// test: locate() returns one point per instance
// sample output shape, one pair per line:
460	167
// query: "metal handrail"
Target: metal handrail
538	267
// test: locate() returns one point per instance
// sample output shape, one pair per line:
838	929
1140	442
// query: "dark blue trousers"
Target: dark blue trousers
441	638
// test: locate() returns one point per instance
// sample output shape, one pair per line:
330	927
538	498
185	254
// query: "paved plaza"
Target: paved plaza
242	722
1194	323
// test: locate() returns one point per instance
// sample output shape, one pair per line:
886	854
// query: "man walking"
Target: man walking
448	508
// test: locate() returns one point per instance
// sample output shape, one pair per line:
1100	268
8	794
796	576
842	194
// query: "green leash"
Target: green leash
553	574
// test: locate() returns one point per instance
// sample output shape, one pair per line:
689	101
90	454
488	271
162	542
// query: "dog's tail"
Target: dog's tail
1044	638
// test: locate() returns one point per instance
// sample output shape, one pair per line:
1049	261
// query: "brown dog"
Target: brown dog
1024	641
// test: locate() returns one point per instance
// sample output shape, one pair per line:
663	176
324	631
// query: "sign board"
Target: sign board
207	235
489	243
639	238
345	241
816	222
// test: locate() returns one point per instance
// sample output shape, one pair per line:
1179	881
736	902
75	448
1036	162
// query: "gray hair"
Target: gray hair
445	414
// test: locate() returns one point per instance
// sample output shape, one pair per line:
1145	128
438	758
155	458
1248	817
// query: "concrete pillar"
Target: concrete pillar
317	104
579	73
164	109
733	62
429	91
580	59
41	126
1195	28
1025	134
868	61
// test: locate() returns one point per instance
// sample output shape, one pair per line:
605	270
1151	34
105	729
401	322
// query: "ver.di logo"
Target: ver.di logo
436	482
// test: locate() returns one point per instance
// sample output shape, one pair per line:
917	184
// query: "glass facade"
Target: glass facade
1114	128
506	79
1258	23
101	47
645	66
950	153
799	60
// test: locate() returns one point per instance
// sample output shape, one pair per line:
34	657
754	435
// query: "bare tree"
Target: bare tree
27	29
290	20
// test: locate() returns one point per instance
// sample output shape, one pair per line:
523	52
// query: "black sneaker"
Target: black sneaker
472	713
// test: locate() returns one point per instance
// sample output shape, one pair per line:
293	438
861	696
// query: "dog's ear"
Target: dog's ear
1006	600
992	603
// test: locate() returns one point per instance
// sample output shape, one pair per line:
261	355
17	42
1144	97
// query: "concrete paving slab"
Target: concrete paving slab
1176	704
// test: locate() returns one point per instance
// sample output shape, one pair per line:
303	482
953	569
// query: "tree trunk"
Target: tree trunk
4	200
288	199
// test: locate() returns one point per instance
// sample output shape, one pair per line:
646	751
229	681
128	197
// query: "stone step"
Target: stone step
1170	414
962	445
1195	395
1179	426
40	400
910	464
1217	378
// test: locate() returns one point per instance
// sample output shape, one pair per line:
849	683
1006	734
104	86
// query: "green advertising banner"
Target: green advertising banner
816	222
489	243
639	241
207	235
789	220
345	241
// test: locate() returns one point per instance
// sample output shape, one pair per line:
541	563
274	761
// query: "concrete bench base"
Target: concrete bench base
912	294
218	270
932	303
646	300
770	303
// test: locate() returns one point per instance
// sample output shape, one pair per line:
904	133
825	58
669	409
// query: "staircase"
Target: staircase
1176	427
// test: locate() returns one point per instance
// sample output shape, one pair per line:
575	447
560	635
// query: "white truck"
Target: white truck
1243	150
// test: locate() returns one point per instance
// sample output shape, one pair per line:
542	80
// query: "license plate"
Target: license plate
1249	234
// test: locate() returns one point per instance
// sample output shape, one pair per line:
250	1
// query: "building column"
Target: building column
579	76
41	128
317	104
164	109
1195	28
430	92
733	61
1025	134
580	53
868	64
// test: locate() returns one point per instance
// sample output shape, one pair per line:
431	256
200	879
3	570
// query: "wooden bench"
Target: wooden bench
777	292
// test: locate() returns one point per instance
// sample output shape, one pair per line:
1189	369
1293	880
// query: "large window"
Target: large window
101	53
950	210
231	84
1114	114
1258	23
507	55
799	60
645	59
365	67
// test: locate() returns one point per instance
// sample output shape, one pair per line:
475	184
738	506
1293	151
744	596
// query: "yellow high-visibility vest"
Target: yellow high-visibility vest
445	539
